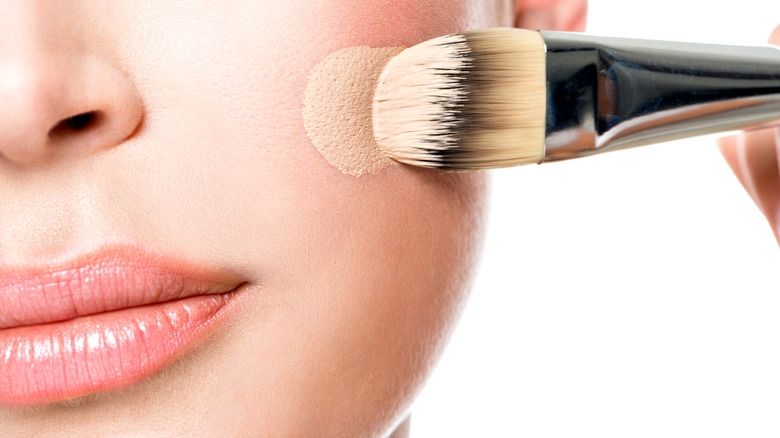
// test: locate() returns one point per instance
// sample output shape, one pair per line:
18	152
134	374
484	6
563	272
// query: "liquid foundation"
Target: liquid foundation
337	108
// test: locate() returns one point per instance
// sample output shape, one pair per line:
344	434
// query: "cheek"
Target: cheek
363	277
372	270
258	93
224	90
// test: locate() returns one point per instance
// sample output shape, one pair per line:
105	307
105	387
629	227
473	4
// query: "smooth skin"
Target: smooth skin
197	149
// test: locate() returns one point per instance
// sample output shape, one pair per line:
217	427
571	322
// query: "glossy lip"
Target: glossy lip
103	320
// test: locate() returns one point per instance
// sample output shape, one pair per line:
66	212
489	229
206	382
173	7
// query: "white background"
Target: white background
635	294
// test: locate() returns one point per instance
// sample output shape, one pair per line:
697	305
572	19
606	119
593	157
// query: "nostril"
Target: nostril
64	103
75	124
80	121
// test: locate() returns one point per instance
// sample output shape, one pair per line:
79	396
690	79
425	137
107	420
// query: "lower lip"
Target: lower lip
59	361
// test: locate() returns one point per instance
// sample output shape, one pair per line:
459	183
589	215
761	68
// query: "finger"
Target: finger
566	15
753	156
775	37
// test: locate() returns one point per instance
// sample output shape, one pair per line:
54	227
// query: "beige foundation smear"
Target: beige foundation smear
337	108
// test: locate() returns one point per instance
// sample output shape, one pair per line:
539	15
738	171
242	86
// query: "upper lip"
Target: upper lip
111	278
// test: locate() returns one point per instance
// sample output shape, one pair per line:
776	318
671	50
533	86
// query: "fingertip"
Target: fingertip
756	158
726	144
775	37
580	19
728	149
563	15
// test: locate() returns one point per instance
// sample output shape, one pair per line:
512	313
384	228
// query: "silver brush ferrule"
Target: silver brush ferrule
606	94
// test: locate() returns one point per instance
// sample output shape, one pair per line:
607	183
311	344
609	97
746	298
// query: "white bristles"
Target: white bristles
468	101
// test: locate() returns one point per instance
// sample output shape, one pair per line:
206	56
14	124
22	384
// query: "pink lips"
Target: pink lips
103	321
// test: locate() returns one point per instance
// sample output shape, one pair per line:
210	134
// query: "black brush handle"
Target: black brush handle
612	93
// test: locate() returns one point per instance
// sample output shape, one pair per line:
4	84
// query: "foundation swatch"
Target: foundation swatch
337	108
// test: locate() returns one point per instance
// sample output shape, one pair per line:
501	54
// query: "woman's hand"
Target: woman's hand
753	156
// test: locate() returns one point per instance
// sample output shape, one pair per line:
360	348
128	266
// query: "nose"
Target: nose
57	99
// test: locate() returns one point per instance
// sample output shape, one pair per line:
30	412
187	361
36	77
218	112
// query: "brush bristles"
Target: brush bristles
469	101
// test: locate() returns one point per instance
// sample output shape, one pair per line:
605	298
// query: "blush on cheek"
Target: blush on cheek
337	108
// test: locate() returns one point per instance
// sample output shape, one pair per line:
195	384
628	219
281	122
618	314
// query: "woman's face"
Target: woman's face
197	151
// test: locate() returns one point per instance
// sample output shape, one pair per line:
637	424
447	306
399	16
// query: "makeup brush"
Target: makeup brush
507	97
